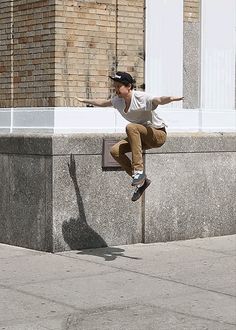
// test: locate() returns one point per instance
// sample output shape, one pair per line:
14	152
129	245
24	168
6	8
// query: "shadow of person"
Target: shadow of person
108	253
76	232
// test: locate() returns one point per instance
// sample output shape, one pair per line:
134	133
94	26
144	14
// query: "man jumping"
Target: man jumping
146	129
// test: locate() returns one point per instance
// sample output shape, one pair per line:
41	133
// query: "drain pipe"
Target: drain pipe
116	38
12	64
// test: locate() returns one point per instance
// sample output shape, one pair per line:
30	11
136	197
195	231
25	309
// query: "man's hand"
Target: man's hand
176	98
96	102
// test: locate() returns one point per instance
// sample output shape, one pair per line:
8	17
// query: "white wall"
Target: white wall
218	54
164	48
164	63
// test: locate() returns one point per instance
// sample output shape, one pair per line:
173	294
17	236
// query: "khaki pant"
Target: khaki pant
139	138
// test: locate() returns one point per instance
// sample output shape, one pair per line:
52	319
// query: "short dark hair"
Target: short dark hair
127	84
123	77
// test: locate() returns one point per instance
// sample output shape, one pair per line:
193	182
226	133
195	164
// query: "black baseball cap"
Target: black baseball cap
123	77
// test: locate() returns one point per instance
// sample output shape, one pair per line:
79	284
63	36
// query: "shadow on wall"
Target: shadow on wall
80	236
76	232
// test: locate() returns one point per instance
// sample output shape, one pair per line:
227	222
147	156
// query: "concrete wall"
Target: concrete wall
49	206
193	189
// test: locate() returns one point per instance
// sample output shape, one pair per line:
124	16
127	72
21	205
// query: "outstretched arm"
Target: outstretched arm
165	100
96	102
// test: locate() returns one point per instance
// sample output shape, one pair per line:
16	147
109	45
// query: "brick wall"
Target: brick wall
85	49
34	35
6	50
27	77
93	40
67	48
130	41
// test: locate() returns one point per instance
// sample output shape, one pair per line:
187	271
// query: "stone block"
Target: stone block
197	143
57	196
192	195
5	195
47	207
26	219
92	207
26	144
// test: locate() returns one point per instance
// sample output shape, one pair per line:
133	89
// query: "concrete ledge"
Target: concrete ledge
81	143
49	206
26	144
197	142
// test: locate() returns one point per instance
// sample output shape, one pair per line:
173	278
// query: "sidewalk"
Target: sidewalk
165	286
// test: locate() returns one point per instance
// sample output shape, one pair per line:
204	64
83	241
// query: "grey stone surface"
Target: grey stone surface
48	208
33	130
54	144
5	196
91	144
25	220
86	144
168	286
93	209
192	195
26	144
192	62
197	143
48	198
4	131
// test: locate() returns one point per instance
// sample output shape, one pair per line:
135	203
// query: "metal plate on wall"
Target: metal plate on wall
107	159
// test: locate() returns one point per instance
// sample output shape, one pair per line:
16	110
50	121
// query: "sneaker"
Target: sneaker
139	190
138	179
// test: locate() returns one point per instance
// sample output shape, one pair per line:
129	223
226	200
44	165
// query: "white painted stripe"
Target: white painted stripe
164	48
218	54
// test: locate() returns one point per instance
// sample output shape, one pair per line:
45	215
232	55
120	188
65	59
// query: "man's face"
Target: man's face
121	90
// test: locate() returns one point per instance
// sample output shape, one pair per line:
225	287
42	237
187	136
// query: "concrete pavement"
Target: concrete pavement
163	286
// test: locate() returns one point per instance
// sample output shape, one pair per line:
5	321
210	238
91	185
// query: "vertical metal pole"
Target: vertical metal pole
116	39
200	71
12	63
143	202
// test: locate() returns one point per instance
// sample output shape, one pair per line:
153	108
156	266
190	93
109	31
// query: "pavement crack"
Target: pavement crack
39	296
64	278
187	314
162	278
